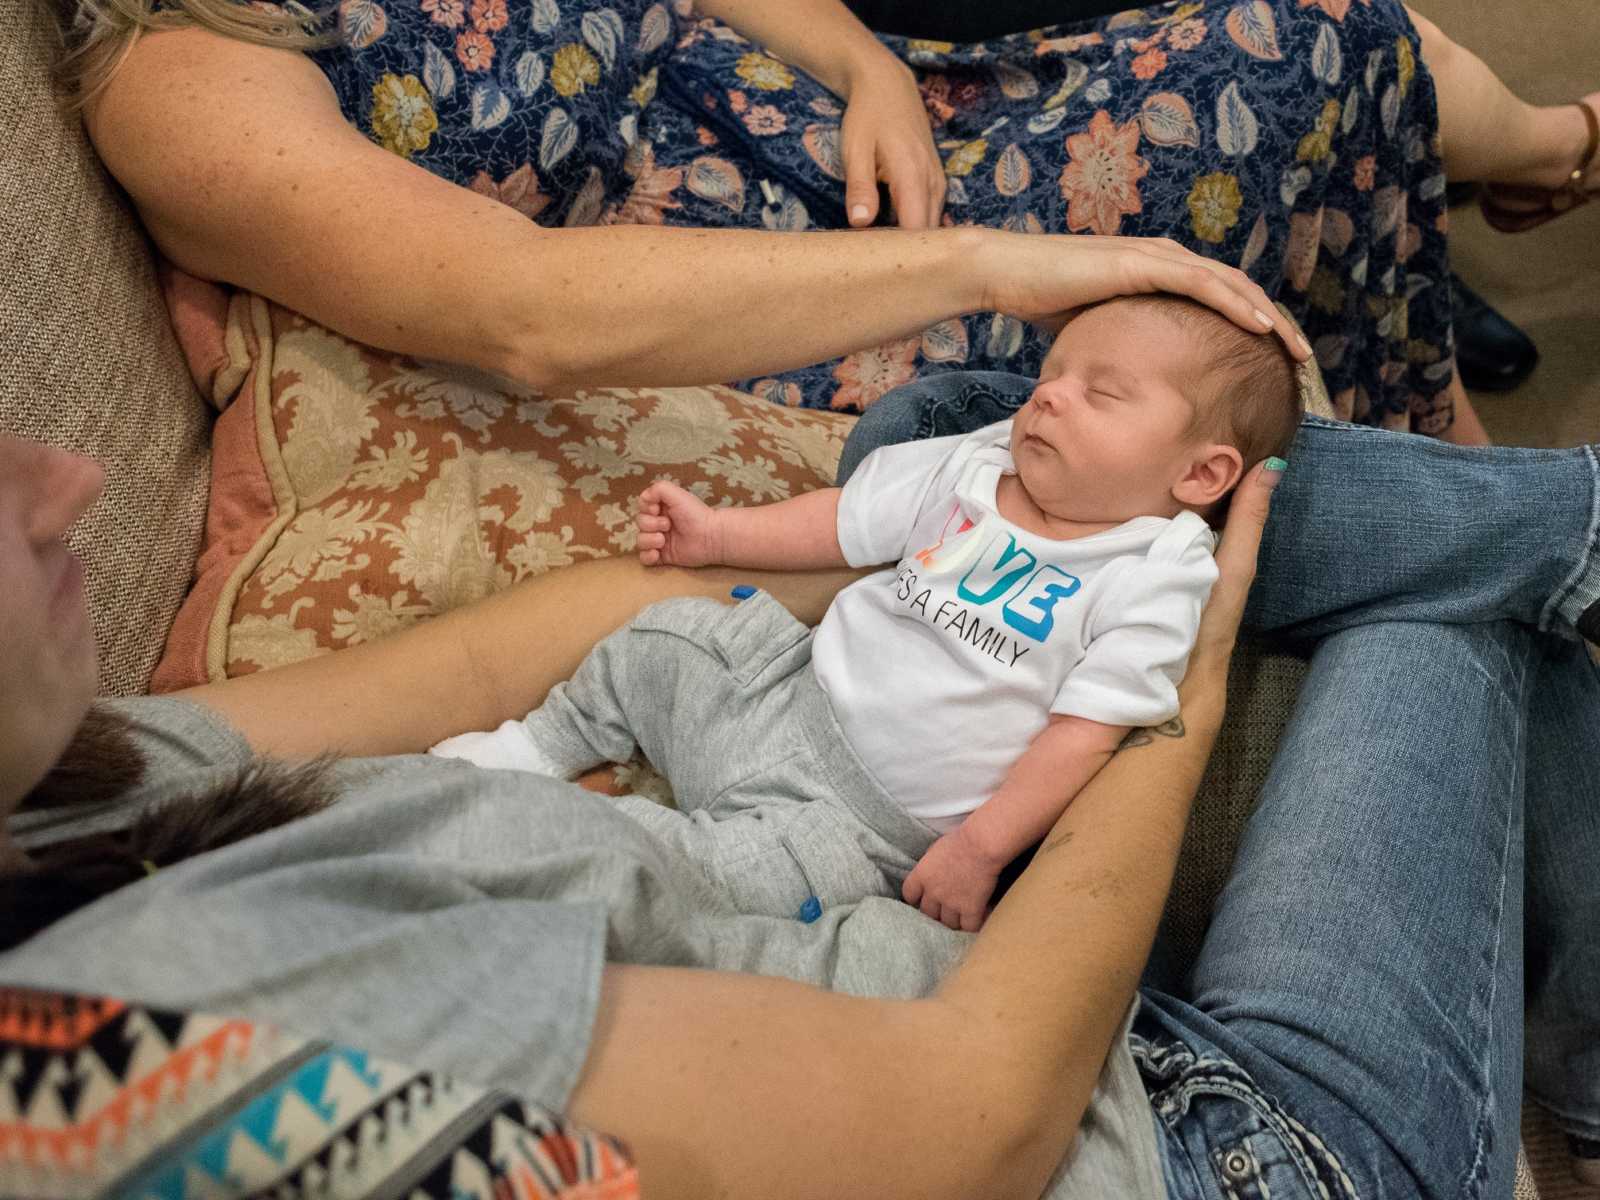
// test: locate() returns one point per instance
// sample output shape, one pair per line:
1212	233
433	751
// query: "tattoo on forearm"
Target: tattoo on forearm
1143	737
1136	737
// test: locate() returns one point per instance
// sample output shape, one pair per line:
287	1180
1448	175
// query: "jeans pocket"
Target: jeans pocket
1226	1126
1258	1167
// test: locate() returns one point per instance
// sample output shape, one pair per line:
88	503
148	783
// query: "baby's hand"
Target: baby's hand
676	528
952	883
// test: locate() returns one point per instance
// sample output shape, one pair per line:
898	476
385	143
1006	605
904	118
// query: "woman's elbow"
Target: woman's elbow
553	342
1020	1118
556	346
531	355
1016	1163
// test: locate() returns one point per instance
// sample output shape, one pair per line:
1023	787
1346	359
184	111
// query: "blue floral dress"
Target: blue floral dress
1296	139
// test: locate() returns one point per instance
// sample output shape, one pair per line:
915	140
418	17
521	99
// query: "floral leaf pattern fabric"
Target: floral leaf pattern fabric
1294	138
486	88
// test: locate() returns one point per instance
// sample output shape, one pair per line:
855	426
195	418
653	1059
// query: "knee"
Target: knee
1436	47
894	418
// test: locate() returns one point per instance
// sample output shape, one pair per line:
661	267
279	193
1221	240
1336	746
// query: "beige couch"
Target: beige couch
91	363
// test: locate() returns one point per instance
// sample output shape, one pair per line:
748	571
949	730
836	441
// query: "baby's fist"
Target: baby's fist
676	528
951	884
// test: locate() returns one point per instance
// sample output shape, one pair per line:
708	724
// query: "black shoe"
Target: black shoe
1493	354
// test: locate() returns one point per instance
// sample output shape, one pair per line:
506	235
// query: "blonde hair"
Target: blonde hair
98	34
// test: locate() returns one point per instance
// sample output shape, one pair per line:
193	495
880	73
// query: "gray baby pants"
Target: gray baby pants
773	803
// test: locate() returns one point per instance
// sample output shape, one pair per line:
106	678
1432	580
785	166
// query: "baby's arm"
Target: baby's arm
677	528
956	877
1129	674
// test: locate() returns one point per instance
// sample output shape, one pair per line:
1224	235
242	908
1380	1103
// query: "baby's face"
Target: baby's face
1106	439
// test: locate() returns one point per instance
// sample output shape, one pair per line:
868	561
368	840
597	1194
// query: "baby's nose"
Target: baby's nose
1050	396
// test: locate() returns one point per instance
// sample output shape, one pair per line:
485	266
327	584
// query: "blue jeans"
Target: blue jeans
1354	1023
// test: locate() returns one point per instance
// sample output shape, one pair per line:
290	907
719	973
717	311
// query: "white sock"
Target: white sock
508	748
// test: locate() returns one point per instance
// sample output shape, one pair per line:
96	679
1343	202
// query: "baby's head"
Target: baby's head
1161	405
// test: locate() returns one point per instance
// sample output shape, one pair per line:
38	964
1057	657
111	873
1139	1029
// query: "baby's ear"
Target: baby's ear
1213	472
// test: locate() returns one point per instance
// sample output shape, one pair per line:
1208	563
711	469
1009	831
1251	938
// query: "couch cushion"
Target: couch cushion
90	360
357	491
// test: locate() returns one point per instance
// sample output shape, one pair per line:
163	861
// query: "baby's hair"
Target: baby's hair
1249	396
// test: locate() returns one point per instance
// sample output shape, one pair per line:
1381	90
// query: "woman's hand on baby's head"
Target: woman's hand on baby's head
1046	280
676	528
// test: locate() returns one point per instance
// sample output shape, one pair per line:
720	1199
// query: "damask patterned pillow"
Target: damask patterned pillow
356	491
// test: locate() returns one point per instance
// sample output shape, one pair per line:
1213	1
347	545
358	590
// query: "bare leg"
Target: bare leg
1488	133
1466	429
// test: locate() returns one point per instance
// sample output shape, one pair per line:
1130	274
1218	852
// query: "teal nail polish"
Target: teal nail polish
1277	464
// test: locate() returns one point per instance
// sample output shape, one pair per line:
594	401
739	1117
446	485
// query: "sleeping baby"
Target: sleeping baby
1050	571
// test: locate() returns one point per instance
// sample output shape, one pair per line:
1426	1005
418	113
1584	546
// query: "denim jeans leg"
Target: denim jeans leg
1369	525
1563	896
1364	965
955	402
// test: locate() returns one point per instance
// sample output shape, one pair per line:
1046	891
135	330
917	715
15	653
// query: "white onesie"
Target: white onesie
942	670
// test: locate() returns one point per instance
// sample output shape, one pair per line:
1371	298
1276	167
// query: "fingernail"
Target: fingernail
1277	464
1304	345
858	213
1266	321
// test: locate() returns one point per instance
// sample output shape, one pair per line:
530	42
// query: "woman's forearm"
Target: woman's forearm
684	306
810	1092
821	37
476	666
